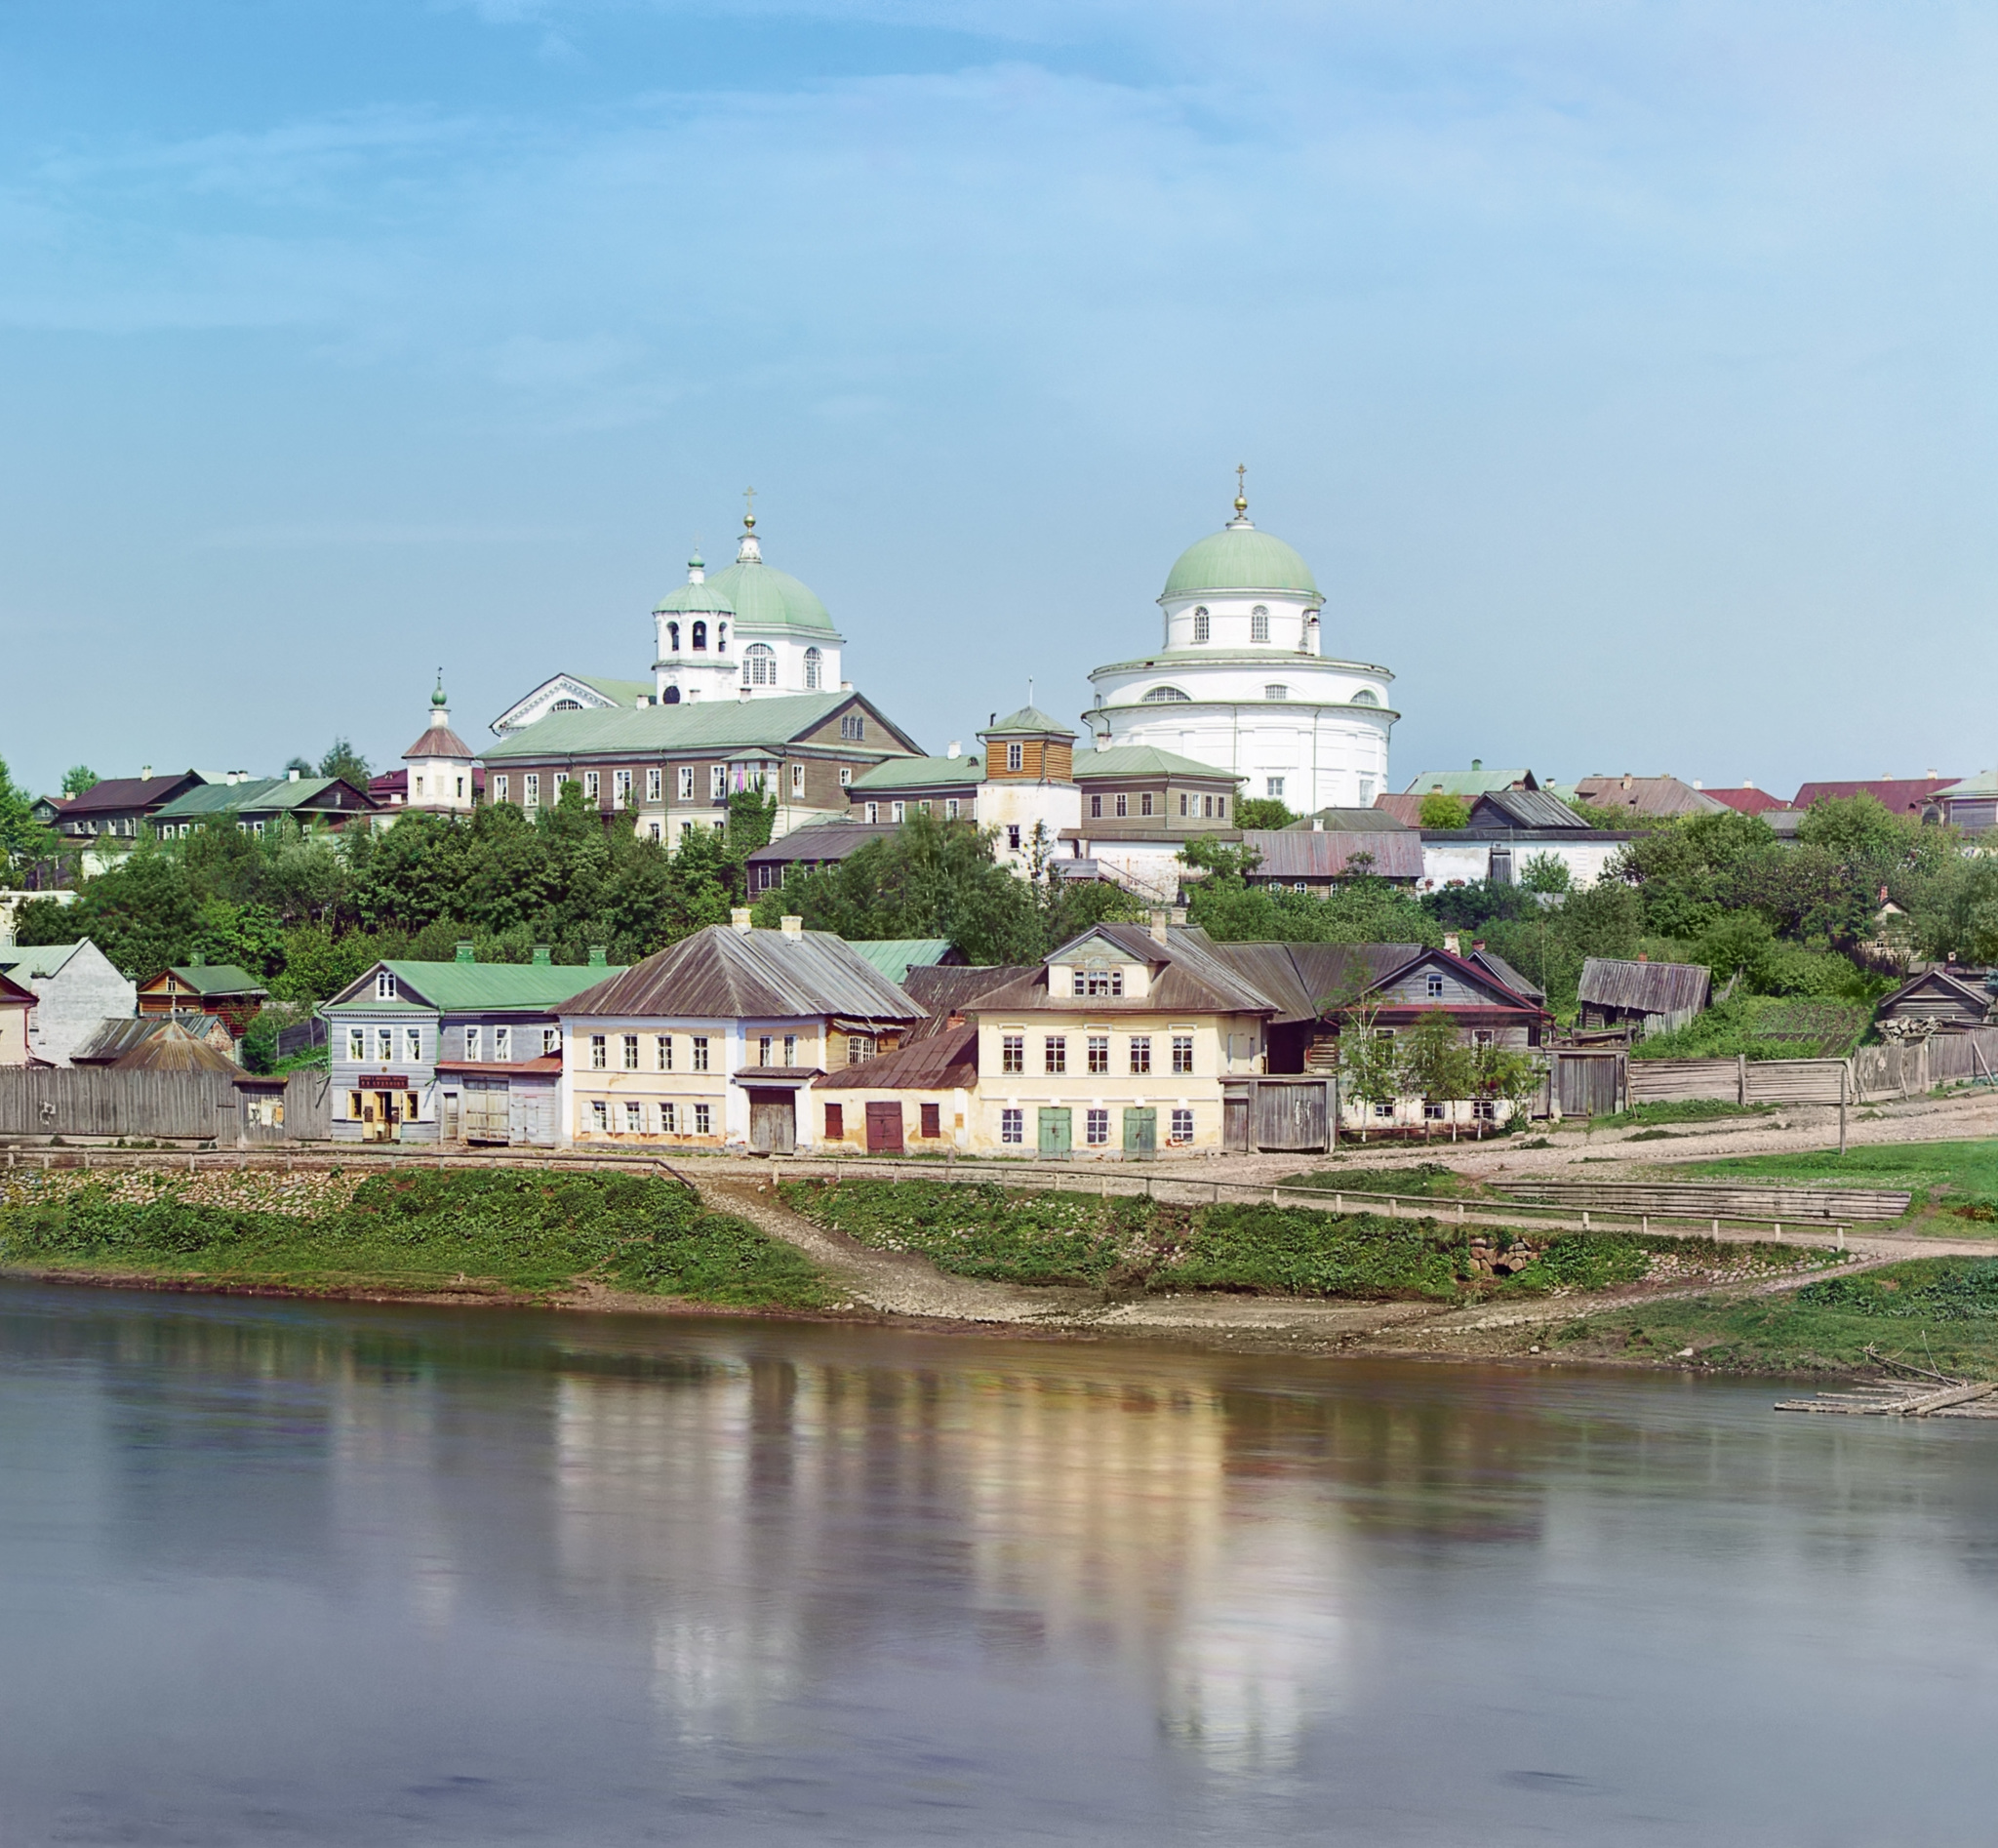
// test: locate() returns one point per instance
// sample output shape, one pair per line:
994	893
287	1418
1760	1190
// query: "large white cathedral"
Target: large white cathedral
1241	681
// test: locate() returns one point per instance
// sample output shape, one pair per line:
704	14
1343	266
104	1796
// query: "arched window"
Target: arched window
815	663
759	666
672	638
721	638
1259	623
1199	625
1365	698
567	706
700	636
1163	695
671	697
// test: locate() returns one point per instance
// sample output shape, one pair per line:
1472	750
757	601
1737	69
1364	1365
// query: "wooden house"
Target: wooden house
222	989
1654	997
1951	1000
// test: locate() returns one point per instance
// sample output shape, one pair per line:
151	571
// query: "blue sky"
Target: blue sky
1624	371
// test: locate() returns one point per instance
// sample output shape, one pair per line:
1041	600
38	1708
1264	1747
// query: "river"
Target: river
292	1573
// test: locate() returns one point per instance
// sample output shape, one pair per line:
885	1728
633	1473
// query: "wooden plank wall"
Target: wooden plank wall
1956	1057
80	1101
1739	1080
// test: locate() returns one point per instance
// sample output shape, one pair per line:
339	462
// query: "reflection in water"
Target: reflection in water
352	1574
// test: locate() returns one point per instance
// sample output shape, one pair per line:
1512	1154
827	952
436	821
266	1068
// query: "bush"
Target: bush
1935	1289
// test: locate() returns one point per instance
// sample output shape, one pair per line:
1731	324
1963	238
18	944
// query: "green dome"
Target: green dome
1240	558
767	598
695	599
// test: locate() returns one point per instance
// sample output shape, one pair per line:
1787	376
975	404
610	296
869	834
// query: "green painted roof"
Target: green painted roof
896	956
24	961
1465	782
911	772
217	978
1240	558
1142	760
259	792
695	599
624	692
1029	721
454	988
720	725
764	597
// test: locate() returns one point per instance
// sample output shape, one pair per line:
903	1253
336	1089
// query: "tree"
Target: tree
343	760
77	778
1545	873
303	765
1370	1066
23	838
1505	1076
1263	811
142	914
1435	1063
1444	811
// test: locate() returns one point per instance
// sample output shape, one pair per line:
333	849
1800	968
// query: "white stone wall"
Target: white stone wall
1445	861
713	674
70	1004
1005	805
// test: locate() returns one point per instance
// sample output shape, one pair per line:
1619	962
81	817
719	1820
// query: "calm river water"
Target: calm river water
277	1573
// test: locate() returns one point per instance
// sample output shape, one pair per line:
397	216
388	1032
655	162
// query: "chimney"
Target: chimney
739	918
1932	776
1478	942
1158	927
598	959
540	958
956	748
146	773
791	926
1748	782
1477	763
1452	943
292	775
1176	914
1698	785
1318	825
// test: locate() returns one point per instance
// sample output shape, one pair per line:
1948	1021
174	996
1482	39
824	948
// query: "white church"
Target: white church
1240	679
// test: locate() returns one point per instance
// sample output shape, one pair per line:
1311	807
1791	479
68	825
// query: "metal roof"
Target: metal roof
725	974
111	795
1523	808
1309	854
1028	722
211	978
268	794
719	725
1469	782
36	962
1904	795
174	1049
1644	988
896	956
1646	795
112	1040
823	840
941	1062
1187	975
1374	820
944	991
440	740
913	773
1144	760
1747	800
1496	966
475	987
1405	809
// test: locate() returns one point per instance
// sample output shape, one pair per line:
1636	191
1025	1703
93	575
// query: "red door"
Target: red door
884	1129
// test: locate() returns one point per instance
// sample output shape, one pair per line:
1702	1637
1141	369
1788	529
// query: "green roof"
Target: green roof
1142	760
912	772
259	792
623	692
896	956
695	599
764	597
217	978
1028	721
720	725
24	960
455	987
1240	558
1465	782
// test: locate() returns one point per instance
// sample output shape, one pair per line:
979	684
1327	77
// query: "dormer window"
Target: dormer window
1202	627
1098	983
1259	623
385	986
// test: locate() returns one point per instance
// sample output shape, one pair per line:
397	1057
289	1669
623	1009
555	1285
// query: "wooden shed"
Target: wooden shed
1654	997
1953	1002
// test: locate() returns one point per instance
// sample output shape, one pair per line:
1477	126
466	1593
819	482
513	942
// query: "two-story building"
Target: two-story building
76	987
254	803
450	1051
710	1043
219	990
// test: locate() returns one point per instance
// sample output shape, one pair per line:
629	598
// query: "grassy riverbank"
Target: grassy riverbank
1939	1312
1131	1244
1954	1181
522	1233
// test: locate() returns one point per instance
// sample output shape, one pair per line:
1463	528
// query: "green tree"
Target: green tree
141	913
77	778
24	840
1506	1076
1436	1064
1444	811
343	760
1263	811
1545	873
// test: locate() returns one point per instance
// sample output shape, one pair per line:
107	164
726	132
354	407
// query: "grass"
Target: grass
1960	1179
533	1233
1935	1311
1764	1026
1427	1180
1047	1237
1680	1110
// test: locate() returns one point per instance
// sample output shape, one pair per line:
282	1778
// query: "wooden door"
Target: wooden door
884	1129
1055	1132
1235	1121
773	1121
1291	1117
487	1118
1141	1130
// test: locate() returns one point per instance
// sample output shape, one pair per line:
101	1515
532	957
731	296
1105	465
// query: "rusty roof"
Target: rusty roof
1904	795
1646	795
945	991
725	974
1394	853
940	1061
1644	988
174	1049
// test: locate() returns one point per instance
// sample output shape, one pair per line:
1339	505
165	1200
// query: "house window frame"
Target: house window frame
599	1052
1098	1055
500	787
1096	1128
631	1051
1013	1127
703	1119
662	1052
1012	1053
1180	1131
1139	1056
697	1057
654	784
686	783
1055	1056
1182	1055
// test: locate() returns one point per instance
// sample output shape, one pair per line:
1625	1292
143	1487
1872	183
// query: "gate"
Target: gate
1055	1136
1588	1084
1235	1120
884	1129
486	1116
1291	1117
773	1122
1141	1130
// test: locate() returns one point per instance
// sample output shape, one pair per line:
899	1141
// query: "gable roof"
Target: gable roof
912	772
13	994
37	962
1188	975
1374	820
1747	800
1523	808
1406	810
476	988
1503	971
1311	982
1469	782
718	725
896	956
1646	795
1144	760
112	1039
1941	980
1328	854
940	1061
211	978
121	795
1902	795
265	794
1646	988
829	841
722	973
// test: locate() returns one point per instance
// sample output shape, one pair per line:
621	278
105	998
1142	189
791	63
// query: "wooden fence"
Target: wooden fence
1741	1080
182	1106
1958	1058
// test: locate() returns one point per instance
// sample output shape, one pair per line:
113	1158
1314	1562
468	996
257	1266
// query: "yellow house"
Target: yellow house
1117	1045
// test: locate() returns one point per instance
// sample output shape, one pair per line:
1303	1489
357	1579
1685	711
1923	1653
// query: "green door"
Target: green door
1140	1131
1055	1138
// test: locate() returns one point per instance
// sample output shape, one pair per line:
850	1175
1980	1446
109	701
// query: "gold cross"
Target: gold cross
1241	496
749	508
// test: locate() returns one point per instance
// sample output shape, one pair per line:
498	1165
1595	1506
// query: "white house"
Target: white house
76	987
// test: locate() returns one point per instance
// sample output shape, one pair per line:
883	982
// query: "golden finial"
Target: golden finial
1241	496
748	509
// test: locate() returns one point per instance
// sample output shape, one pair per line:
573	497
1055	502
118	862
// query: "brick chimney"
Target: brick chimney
791	926
739	918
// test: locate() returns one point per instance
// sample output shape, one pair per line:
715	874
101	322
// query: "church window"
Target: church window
1015	756
700	636
1366	698
1202	627
1276	690
1163	695
672	696
759	666
686	783
852	726
672	638
815	664
1259	623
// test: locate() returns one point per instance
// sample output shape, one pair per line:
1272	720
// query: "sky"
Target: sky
1624	371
